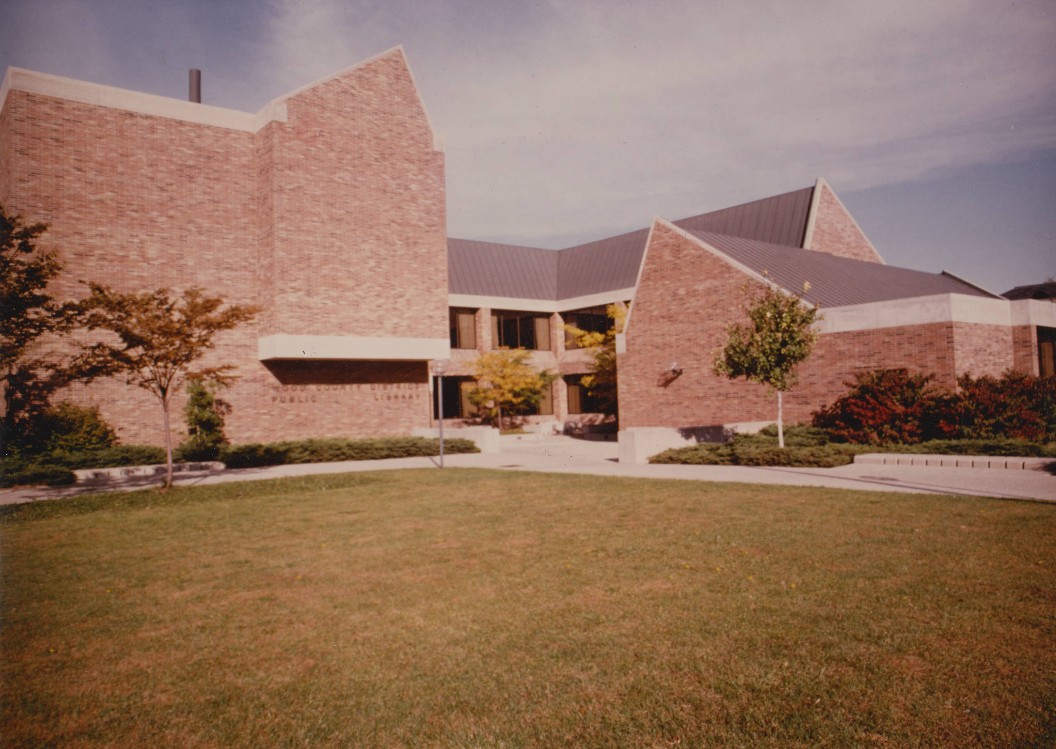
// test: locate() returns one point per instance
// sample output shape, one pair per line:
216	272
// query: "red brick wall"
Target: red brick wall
5	145
836	232
333	222
137	202
359	245
1025	349
983	349
688	297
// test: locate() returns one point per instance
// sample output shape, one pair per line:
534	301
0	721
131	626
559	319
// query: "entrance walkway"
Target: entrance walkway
567	455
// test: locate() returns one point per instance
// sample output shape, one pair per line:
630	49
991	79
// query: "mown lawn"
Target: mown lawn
474	608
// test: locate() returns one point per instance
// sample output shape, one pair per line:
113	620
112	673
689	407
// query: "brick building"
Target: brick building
327	210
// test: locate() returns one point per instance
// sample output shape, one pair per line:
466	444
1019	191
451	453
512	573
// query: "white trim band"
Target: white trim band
351	348
925	310
70	89
477	301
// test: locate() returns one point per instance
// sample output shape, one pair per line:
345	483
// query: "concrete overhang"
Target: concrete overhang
540	305
350	348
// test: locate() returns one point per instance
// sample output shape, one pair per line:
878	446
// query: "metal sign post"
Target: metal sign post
439	367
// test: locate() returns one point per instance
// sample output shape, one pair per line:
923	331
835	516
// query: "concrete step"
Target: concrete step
107	475
954	461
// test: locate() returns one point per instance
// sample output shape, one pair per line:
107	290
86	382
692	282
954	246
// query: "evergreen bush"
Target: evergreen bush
204	415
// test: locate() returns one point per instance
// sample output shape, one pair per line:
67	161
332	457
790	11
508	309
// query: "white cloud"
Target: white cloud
699	106
567	119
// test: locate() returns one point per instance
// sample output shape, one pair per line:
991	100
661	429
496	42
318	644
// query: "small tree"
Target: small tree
161	337
778	336
506	382
204	414
27	314
601	382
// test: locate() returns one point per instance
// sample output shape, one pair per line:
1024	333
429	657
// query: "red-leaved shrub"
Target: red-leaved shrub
894	406
886	406
1016	406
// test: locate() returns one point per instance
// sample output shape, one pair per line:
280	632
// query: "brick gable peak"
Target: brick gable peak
395	54
831	228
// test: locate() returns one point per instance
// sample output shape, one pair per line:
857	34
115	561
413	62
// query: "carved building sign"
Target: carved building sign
376	391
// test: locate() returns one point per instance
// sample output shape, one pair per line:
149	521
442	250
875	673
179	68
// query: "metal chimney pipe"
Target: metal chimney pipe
196	86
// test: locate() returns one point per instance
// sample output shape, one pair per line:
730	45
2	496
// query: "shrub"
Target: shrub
20	472
887	406
110	457
892	406
1016	406
252	455
804	447
204	414
332	450
64	427
1015	448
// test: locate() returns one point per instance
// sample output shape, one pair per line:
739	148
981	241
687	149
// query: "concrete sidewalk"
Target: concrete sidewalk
567	455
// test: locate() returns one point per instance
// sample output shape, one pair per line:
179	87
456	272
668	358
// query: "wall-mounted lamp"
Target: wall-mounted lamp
669	375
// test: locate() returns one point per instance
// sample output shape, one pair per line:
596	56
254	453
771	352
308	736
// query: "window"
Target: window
545	407
520	330
590	319
1047	352
579	400
456	398
463	328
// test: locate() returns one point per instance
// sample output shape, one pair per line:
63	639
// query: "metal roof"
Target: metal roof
605	265
781	219
491	269
764	235
834	281
1046	290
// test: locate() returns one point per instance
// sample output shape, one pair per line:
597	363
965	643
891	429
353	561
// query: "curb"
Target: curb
109	475
954	461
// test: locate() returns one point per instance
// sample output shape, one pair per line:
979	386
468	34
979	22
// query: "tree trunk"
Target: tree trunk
780	421
168	443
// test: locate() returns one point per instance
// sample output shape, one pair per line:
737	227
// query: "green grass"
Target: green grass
464	608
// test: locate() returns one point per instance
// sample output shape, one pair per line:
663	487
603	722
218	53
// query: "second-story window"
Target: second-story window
530	330
463	329
590	320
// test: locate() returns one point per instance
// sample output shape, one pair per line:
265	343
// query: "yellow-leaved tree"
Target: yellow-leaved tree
601	381
507	383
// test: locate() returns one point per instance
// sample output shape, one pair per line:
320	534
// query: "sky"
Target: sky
564	122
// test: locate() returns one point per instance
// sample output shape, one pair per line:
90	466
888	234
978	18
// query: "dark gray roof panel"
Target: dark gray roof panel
491	269
834	281
781	219
604	265
1046	290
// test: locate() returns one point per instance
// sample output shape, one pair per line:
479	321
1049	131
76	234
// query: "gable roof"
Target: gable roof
763	235
834	281
504	270
600	266
1046	290
610	264
781	219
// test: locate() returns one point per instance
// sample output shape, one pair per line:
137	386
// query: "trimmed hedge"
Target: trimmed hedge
808	447
19	472
332	450
56	468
